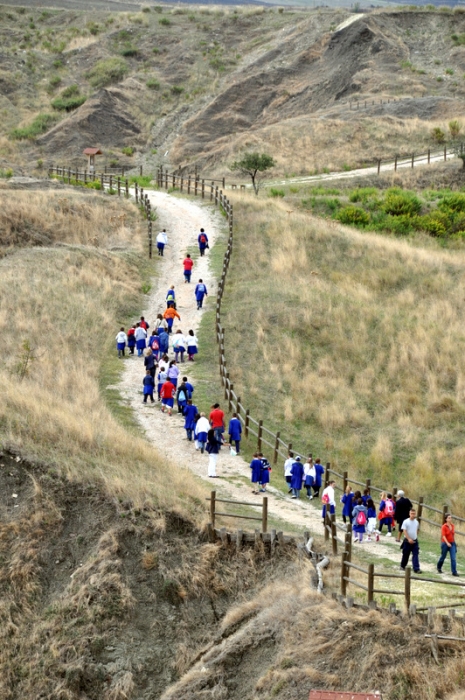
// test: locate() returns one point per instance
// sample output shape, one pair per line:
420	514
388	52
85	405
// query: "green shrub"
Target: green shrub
96	185
69	99
142	180
431	225
93	28
355	216
128	150
453	202
324	191
459	39
165	21
6	173
455	128
176	89
449	71
398	203
276	193
438	135
128	50
153	84
55	80
362	194
107	71
41	124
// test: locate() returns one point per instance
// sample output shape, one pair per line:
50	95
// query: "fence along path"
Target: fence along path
431	515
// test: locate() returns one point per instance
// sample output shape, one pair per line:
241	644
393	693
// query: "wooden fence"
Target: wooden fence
252	426
111	183
213	512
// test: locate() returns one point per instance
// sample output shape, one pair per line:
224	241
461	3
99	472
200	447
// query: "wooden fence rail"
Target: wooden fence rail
213	512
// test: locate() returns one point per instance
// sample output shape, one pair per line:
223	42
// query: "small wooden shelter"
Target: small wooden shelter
91	153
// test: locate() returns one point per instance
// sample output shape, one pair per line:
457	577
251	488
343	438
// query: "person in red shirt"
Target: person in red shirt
217	421
143	323
167	397
448	545
188	264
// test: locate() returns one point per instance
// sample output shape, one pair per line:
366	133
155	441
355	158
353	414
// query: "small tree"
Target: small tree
254	165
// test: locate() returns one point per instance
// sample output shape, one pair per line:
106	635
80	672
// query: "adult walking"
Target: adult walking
162	240
200	293
163	342
182	397
140	335
410	543
329	500
150	362
149	385
402	509
235	432
202	240
216	418
201	432
213	447
448	545
188	264
121	340
160	324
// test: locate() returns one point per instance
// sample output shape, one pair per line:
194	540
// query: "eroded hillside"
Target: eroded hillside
183	86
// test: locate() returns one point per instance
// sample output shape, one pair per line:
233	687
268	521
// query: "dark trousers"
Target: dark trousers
414	549
189	433
151	397
238	444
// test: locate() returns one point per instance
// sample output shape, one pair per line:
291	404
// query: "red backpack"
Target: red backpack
388	508
361	518
203	238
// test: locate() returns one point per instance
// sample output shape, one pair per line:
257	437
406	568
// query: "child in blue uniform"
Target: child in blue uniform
347	500
256	467
371	520
235	431
190	414
200	292
202	239
265	473
319	471
297	473
149	385
359	519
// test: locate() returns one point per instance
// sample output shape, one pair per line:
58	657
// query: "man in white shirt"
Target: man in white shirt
288	470
162	240
410	543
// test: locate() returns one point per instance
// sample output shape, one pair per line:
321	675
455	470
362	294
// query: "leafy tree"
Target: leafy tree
254	165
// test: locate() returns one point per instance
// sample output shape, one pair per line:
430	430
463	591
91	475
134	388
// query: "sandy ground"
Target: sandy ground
183	219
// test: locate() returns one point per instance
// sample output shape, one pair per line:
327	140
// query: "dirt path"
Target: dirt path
182	219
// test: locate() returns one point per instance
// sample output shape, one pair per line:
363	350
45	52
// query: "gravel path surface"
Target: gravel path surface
183	219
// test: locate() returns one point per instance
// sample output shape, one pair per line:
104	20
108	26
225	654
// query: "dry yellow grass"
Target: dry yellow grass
66	302
362	362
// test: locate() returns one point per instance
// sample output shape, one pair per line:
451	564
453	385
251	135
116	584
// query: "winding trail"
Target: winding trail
182	219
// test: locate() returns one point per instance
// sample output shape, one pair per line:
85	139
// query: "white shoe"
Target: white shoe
368	539
388	534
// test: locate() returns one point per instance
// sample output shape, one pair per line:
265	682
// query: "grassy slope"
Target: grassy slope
355	349
66	302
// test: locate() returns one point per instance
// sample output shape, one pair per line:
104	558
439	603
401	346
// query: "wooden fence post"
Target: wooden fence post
203	189
333	532
216	194
407	587
238	400
259	438
111	182
127	187
343	573
395	164
325	523
344	481
368	485
445	510
445	153
265	514
379	165
246	423
413	159
371	582
211	191
196	182
276	447
289	448
212	507
150	240
181	184
231	387
189	184
429	156
420	510
137	192
327	473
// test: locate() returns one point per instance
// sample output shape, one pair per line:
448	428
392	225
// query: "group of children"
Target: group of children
260	475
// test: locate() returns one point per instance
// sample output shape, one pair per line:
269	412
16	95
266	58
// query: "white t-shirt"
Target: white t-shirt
121	337
410	527
179	340
329	491
288	466
162	238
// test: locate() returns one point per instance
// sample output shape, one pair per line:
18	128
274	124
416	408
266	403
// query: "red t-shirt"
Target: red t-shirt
188	264
447	533
217	418
143	324
167	390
